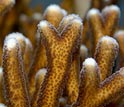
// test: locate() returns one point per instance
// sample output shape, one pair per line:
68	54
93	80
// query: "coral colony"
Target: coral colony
64	61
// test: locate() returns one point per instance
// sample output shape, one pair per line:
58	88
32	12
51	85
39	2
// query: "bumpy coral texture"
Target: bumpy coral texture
59	51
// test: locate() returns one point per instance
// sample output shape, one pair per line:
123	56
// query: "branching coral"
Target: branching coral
101	23
59	52
38	81
98	24
50	76
13	75
105	55
40	59
101	94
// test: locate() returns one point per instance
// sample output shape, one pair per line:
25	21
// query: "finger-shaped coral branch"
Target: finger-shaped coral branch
54	14
87	38
59	51
119	36
104	23
89	82
95	21
40	60
5	5
40	75
26	48
105	55
106	92
72	84
13	75
111	15
20	38
23	46
28	54
65	21
111	88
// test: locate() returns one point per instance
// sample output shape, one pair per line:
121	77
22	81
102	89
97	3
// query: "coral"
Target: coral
59	52
64	61
13	75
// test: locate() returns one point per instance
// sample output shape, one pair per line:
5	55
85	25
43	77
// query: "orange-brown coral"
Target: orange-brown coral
101	23
105	55
40	59
59	48
93	93
13	75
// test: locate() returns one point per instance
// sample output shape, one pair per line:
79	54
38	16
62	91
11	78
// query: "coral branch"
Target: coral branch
40	59
104	23
103	94
111	15
59	52
52	11
95	21
38	81
13	75
89	82
105	55
72	85
28	54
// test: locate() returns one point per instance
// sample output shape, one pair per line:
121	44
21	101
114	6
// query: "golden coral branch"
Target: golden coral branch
105	55
104	92
13	75
40	59
101	23
59	50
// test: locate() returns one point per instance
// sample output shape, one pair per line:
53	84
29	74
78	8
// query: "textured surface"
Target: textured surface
104	23
51	12
111	15
95	21
95	94
72	85
28	55
89	82
105	55
13	75
38	81
40	59
59	52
